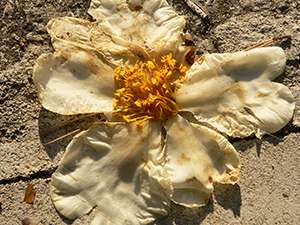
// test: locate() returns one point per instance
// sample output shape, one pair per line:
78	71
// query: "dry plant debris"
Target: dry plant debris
29	194
28	221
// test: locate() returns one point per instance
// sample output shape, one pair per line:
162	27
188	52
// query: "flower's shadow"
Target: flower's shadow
182	215
225	195
250	142
229	197
86	219
66	220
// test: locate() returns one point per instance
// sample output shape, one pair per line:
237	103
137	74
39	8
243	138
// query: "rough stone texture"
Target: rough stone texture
268	191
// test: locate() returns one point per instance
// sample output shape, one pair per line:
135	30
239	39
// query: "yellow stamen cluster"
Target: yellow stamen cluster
146	92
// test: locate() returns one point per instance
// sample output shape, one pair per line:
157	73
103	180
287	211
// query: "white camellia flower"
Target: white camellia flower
131	63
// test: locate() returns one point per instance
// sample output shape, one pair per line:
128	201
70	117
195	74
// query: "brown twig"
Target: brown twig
269	41
79	118
74	131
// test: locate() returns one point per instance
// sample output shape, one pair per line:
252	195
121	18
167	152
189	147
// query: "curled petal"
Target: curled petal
74	83
118	170
122	33
140	29
195	157
235	93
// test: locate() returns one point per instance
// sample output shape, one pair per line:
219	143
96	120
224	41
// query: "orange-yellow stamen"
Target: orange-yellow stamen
146	92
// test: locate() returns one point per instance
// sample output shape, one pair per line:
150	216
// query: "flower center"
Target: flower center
146	91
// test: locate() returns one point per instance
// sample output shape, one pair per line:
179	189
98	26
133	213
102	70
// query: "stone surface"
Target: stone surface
268	191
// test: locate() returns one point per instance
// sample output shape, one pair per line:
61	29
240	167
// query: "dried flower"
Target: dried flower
130	63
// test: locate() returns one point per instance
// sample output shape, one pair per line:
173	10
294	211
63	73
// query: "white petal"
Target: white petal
153	30
121	34
195	156
234	92
74	82
118	170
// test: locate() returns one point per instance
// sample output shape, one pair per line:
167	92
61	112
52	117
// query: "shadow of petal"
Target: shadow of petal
229	197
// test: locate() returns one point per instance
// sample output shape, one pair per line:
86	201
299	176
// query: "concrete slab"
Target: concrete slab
268	191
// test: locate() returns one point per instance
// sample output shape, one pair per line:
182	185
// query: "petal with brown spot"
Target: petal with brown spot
195	156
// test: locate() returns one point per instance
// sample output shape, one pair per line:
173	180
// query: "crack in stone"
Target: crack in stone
40	174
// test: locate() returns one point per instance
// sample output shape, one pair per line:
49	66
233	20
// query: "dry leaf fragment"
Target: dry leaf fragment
29	194
189	39
28	221
285	195
197	7
22	43
189	57
138	7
